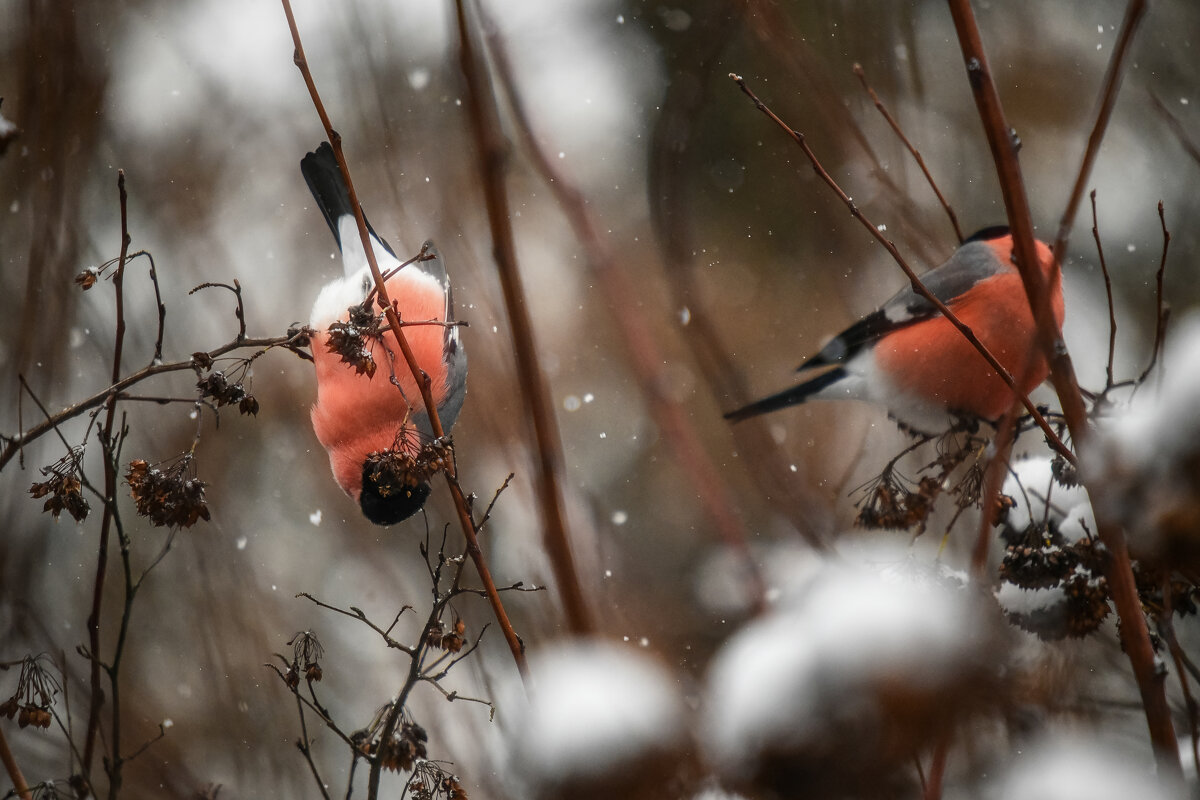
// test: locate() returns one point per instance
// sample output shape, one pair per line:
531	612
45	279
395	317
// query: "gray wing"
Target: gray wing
453	353
970	264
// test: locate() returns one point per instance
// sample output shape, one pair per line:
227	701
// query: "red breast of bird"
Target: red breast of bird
357	414
933	361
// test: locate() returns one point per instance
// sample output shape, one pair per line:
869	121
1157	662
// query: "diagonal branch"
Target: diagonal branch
918	287
1135	637
912	149
1108	99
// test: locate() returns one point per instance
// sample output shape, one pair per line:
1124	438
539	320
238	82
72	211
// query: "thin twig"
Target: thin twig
917	285
239	311
110	491
916	154
162	731
1104	108
515	645
305	747
1135	637
329	723
491	150
1112	314
487	512
357	613
1161	310
1190	146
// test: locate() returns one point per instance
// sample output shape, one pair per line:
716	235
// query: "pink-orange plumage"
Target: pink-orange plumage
358	414
909	358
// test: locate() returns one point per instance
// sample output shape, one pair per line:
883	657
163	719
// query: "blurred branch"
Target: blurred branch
675	131
1134	633
916	154
460	502
1190	146
1108	99
492	152
20	787
917	285
773	27
641	343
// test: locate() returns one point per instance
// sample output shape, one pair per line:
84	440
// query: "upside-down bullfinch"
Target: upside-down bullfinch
360	414
908	357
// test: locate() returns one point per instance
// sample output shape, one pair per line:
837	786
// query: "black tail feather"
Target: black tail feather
324	179
788	397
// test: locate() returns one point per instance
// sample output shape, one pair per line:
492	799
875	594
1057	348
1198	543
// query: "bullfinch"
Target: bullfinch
360	414
908	357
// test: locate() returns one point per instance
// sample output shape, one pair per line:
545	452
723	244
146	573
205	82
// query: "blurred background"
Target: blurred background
744	264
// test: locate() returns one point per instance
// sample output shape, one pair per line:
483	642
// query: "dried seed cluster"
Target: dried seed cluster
216	387
171	498
402	750
430	782
892	502
393	470
36	690
891	505
64	485
351	340
451	641
306	650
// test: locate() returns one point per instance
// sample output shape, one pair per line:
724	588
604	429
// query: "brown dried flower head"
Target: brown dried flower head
351	339
1041	559
172	497
891	505
64	485
87	279
36	690
216	387
396	469
306	650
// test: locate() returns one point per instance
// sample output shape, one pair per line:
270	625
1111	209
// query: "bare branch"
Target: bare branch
916	154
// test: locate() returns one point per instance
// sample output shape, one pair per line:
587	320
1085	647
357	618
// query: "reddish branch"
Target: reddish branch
485	124
641	343
1119	573
20	787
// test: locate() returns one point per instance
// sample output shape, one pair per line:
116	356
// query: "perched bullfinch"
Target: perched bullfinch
908	357
360	414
